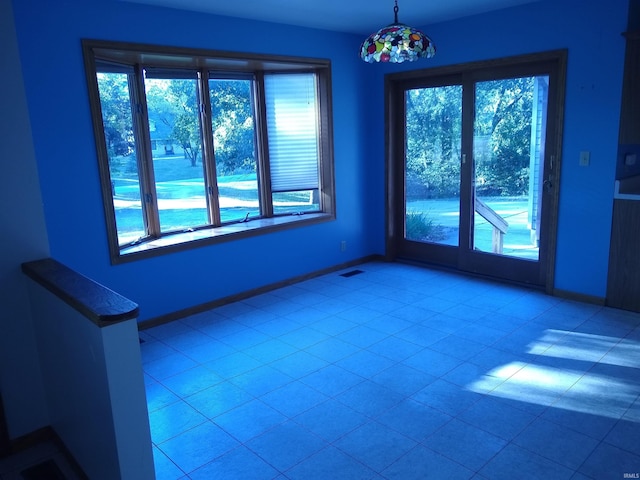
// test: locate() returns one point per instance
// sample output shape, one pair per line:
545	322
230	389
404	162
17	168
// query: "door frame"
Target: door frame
464	74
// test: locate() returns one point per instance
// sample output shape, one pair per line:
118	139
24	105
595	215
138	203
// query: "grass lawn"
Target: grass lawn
182	200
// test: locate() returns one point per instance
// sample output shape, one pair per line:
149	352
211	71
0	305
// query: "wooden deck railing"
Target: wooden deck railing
500	225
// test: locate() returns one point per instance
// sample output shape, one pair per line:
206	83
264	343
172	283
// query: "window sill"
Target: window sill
188	240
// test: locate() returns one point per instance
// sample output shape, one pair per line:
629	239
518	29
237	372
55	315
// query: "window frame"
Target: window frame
141	56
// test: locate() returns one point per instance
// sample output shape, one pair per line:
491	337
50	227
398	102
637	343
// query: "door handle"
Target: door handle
548	184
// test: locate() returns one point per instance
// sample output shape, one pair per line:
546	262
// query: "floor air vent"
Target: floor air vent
351	273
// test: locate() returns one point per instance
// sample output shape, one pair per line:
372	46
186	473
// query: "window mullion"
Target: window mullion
325	142
145	160
262	147
208	153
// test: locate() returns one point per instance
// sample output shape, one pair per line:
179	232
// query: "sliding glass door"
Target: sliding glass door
473	166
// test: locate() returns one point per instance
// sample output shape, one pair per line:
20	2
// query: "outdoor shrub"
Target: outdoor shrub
419	226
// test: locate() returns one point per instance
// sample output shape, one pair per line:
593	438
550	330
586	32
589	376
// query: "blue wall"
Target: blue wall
64	144
62	148
65	149
591	31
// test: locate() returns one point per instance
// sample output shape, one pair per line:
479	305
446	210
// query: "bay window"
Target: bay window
197	147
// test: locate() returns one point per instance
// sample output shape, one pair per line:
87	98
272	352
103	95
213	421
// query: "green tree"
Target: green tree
173	106
116	118
502	137
173	113
433	129
503	118
233	126
186	129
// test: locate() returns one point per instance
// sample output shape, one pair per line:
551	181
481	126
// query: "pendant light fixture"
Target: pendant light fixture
396	43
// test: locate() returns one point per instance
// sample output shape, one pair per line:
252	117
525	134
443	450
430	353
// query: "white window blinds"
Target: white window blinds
292	128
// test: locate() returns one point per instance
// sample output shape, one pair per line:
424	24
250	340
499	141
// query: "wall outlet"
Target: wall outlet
584	159
343	246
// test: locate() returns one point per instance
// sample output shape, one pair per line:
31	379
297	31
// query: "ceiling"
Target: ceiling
353	16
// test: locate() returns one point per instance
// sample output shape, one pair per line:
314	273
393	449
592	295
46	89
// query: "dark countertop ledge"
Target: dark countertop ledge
98	303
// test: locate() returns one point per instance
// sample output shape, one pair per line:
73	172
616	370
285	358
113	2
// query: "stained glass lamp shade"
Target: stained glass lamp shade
397	43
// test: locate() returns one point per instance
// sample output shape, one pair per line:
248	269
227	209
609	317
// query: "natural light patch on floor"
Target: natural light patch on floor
506	371
587	347
529	383
625	354
567	389
600	395
609	389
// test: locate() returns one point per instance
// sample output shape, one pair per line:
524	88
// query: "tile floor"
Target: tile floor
398	372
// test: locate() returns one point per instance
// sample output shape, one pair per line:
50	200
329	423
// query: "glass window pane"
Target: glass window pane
292	130
433	131
508	149
174	127
121	149
234	147
300	201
